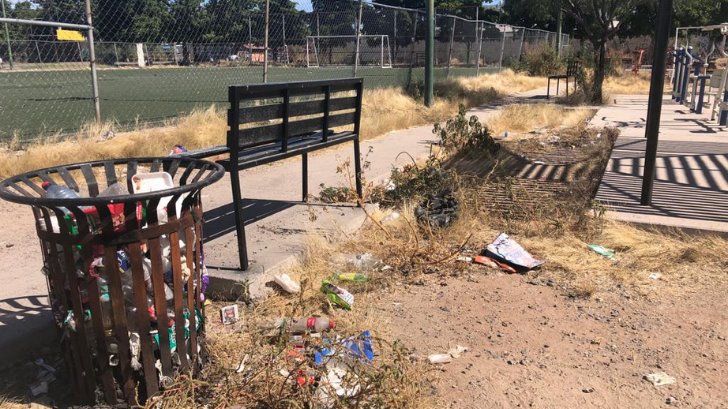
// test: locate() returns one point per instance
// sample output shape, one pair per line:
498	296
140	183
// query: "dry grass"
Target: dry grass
384	110
521	118
628	84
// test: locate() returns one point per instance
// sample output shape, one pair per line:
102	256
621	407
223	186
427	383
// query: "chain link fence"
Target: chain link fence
157	60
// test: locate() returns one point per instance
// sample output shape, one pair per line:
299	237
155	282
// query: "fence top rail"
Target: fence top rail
45	23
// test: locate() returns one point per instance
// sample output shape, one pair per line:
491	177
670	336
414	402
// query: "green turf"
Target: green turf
38	103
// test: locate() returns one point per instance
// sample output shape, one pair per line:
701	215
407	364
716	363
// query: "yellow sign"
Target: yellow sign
69	35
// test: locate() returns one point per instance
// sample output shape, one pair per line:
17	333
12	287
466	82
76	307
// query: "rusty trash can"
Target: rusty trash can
123	255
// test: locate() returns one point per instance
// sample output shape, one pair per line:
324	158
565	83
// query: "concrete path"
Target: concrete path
278	226
691	184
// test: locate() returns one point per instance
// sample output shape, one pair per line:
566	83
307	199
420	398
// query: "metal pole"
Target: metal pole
395	35
654	106
449	51
92	63
430	53
520	47
7	37
503	49
250	36
478	39
559	27
412	53
265	45
358	37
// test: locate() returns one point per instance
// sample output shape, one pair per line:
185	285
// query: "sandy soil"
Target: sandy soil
532	346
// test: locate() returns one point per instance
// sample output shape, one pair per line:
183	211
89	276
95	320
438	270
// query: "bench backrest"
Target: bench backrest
274	113
572	68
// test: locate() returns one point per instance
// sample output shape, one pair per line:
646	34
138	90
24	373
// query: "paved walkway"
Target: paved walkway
691	183
278	227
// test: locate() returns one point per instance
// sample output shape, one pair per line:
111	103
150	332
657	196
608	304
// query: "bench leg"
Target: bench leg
558	82
239	220
548	89
304	169
357	171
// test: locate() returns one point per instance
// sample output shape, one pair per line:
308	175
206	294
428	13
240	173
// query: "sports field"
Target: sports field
35	104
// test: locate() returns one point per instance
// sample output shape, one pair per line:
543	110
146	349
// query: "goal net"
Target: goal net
372	50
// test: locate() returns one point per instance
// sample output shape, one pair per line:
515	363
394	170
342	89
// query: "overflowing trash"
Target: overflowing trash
438	211
121	269
602	251
508	254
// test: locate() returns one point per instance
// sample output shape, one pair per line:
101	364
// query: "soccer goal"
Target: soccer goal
373	50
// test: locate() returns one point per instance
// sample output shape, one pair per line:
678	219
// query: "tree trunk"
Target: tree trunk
599	73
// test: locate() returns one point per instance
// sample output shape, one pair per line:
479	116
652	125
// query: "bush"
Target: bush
541	61
461	133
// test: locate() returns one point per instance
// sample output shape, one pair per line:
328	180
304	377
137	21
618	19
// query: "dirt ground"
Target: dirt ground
530	345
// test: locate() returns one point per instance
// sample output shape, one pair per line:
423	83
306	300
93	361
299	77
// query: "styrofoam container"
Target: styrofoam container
154	182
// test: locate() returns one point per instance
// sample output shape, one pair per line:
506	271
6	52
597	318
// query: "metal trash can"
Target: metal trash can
122	251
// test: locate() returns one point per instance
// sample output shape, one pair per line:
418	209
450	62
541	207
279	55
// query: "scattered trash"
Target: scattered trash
505	135
438	210
553	139
465	259
358	277
457	351
360	346
390	218
654	276
311	324
106	136
386	268
360	262
241	367
440	358
539	162
505	250
659	378
287	283
229	314
671	400
602	251
337	295
178	150
452	353
40	362
486	261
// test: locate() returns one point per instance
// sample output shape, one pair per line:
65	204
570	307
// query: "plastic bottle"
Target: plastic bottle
311	324
55	191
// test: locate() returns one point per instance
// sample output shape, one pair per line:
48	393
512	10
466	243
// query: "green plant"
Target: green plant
462	133
541	61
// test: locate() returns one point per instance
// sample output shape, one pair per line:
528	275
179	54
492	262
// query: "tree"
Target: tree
599	21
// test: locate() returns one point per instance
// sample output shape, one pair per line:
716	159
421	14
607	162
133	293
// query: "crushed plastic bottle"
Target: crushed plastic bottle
287	283
311	324
55	191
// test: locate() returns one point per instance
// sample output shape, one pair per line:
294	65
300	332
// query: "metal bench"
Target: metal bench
272	122
572	70
718	91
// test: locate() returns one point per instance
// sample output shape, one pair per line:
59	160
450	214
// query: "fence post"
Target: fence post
265	46
395	35
479	40
7	37
358	37
449	51
559	26
92	58
520	47
430	53
503	48
412	53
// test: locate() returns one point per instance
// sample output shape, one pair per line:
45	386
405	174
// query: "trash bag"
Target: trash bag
438	210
